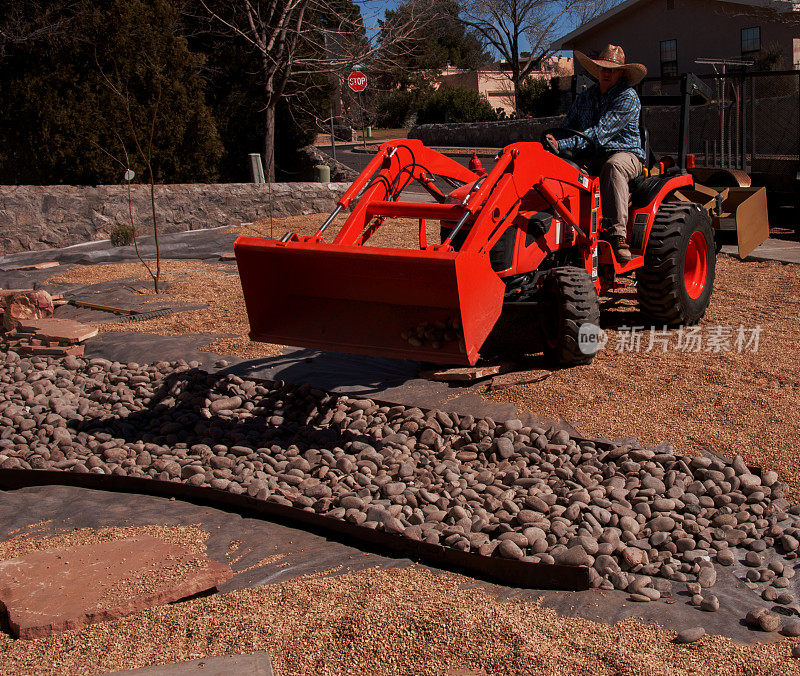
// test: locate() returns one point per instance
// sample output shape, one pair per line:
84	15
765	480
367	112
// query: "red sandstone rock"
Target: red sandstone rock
26	305
50	591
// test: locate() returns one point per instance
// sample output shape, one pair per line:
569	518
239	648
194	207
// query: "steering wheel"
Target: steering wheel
564	132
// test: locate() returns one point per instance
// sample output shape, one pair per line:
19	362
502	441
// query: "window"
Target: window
751	40
669	57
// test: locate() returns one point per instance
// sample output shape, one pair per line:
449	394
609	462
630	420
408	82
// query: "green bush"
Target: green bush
455	105
395	109
537	98
122	235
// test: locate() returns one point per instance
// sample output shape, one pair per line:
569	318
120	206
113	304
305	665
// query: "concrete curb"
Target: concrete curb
780	250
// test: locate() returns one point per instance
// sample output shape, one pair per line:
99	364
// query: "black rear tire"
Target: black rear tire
674	286
572	300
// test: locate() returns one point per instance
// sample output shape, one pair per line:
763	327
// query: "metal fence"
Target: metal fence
751	124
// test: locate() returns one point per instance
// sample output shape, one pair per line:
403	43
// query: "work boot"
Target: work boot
619	245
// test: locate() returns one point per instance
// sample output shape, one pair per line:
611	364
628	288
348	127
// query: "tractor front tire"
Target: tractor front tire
572	301
674	285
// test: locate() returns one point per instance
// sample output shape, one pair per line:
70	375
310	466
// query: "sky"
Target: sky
372	10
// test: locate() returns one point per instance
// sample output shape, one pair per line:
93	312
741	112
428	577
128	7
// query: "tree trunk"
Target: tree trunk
269	142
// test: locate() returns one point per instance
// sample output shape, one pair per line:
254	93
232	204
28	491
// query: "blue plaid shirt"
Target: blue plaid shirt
611	120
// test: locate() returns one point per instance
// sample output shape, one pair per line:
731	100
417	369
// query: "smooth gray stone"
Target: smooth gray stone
253	664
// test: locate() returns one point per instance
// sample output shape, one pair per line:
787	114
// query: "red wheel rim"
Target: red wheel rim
695	268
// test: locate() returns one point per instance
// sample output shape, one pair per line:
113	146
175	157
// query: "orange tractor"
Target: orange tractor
522	238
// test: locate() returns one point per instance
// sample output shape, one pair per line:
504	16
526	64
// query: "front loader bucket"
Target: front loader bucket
425	305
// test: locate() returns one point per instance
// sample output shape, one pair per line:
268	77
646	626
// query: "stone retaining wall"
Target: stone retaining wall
483	134
43	217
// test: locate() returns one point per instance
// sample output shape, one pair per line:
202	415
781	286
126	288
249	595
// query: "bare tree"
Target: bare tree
136	114
32	21
778	11
293	38
773	55
511	25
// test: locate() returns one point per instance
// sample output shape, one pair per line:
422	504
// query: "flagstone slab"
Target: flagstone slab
60	589
252	664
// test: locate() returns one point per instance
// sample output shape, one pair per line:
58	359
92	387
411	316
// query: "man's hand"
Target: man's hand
552	140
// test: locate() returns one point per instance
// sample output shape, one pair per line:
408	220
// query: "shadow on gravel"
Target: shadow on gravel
175	415
331	370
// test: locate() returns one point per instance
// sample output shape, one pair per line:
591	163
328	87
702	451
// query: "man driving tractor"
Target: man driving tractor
608	114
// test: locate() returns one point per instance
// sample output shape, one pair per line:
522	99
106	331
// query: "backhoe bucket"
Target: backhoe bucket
425	305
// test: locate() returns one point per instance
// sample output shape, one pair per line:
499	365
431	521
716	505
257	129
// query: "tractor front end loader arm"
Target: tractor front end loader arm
436	303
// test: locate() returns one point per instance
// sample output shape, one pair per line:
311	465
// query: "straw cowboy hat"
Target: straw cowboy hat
614	58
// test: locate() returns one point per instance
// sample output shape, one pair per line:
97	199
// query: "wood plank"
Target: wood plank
703	195
467	373
37	266
502	381
58	329
13	292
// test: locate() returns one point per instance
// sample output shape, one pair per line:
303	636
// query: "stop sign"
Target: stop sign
357	81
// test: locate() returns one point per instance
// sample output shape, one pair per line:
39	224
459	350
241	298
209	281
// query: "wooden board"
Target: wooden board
703	195
37	266
64	330
12	292
502	381
467	373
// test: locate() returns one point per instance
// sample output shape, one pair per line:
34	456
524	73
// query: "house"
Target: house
495	84
668	36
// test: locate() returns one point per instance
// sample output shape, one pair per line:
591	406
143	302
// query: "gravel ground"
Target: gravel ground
679	514
639	519
728	402
405	621
184	282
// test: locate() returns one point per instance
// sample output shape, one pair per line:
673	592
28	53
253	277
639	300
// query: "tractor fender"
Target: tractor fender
640	220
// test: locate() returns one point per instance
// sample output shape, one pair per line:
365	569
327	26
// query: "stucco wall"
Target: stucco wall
41	217
702	28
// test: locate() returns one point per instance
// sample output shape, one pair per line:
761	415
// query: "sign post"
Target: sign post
357	81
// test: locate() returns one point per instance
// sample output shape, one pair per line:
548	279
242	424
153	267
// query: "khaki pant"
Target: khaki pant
617	171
